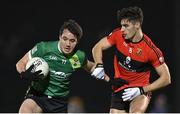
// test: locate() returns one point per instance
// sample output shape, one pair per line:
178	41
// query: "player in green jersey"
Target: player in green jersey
63	57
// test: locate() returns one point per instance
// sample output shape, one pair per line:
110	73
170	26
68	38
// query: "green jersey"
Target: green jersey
61	67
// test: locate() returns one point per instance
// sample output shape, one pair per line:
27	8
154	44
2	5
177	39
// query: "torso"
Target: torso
132	61
61	68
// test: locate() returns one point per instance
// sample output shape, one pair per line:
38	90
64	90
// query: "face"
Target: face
129	29
67	42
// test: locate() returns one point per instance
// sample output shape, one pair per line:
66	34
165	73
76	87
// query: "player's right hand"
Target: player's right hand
98	72
29	75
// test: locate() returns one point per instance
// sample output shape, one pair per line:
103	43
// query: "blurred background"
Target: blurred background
23	24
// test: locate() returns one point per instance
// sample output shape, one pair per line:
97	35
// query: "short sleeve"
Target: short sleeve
37	50
156	57
112	37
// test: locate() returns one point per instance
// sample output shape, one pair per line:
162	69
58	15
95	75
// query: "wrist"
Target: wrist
141	90
106	78
99	64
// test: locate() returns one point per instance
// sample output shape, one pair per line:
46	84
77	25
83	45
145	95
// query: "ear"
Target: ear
137	24
59	37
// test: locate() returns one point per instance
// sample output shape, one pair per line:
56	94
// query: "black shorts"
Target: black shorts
118	103
48	104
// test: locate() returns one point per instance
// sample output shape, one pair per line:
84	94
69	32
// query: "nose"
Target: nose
122	29
68	43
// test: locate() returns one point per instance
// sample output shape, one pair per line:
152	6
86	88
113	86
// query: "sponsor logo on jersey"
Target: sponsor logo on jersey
127	68
52	57
60	74
127	62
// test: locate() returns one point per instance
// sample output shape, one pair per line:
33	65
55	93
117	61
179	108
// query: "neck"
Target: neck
138	36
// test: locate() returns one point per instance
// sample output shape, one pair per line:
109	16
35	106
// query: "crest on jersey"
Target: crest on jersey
74	60
139	51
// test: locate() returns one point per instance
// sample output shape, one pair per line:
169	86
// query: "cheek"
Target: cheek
130	32
62	44
74	45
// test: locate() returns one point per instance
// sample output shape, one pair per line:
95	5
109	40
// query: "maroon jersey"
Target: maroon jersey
133	61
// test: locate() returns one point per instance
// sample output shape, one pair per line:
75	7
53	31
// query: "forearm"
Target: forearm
163	80
98	49
21	64
20	67
97	53
159	83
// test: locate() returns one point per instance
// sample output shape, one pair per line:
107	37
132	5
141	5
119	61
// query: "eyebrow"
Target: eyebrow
124	24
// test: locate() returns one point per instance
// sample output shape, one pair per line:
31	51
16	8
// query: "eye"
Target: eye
72	40
64	38
125	25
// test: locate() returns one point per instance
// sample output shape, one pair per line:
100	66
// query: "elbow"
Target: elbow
94	48
20	67
168	80
17	67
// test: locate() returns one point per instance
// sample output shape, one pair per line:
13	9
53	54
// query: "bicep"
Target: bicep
163	70
104	43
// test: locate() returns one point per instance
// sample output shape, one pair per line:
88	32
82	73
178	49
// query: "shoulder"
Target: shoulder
153	50
46	43
80	53
149	42
115	36
115	31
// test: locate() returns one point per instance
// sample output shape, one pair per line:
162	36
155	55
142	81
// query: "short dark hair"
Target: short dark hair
73	27
131	14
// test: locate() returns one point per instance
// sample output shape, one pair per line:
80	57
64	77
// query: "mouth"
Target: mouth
67	49
124	35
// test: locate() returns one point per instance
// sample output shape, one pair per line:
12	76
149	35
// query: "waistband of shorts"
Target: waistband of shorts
40	94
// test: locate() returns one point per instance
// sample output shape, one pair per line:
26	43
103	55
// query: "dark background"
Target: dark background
23	24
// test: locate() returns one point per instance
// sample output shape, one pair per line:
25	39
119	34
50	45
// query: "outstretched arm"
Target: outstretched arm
97	50
98	69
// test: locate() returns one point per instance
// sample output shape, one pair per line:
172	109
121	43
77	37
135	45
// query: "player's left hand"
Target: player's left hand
98	72
130	93
118	82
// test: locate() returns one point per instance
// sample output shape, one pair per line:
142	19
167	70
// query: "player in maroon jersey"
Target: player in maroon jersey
135	55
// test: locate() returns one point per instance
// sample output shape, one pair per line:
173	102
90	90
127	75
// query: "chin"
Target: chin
67	53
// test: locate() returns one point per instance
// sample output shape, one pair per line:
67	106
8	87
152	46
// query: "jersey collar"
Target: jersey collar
59	47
